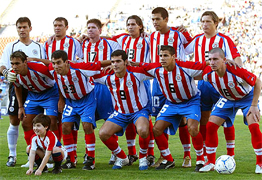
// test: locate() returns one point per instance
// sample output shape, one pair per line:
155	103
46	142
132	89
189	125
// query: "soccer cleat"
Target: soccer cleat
57	170
258	169
143	164
45	170
27	164
199	165
207	167
166	165
68	164
159	161
151	160
120	163
85	159
90	165
11	161
187	162
50	165
132	159
112	159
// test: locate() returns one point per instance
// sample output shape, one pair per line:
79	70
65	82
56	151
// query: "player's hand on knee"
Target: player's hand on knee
9	75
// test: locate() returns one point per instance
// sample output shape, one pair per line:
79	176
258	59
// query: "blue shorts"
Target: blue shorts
158	99
227	109
124	119
45	102
173	113
104	105
209	96
83	109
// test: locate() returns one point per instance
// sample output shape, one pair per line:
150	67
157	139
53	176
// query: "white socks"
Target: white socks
12	136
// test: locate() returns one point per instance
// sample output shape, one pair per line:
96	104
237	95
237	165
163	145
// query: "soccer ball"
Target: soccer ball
225	164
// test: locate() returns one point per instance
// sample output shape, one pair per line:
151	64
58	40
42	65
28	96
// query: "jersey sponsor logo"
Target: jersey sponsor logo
66	45
74	79
214	45
100	47
139	45
35	52
170	40
129	83
231	84
178	78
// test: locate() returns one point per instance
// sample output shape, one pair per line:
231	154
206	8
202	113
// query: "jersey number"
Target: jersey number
226	92
131	53
91	56
172	88
69	89
122	94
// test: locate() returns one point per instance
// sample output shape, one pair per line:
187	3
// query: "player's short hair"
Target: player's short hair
97	22
162	11
23	19
217	50
213	15
119	53
138	20
61	19
19	54
59	54
42	119
170	49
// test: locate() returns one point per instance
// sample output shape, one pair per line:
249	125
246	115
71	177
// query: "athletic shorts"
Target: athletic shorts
45	102
158	99
209	95
124	119
104	105
227	109
13	104
173	113
83	109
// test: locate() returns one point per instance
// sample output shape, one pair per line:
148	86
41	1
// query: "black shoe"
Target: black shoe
85	159
166	165
198	166
57	170
132	159
89	163
151	160
45	170
11	161
68	164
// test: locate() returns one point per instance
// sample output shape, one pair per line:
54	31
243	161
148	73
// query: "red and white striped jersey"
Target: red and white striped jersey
99	51
172	38
137	49
234	85
70	45
76	84
200	46
38	78
128	93
177	85
47	143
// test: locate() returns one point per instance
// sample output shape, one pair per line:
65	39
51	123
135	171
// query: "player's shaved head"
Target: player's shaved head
217	50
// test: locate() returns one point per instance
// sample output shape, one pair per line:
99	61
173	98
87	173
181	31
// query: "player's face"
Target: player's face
60	28
166	59
132	28
93	31
158	21
118	64
60	66
39	129
19	66
216	61
23	29
208	25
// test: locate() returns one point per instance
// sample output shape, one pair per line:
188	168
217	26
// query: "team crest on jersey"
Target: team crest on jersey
35	52
34	78
178	78
66	45
139	45
74	79
231	84
129	84
170	40
214	45
100	47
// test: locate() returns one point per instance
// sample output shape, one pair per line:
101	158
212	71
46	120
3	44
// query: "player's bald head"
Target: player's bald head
217	50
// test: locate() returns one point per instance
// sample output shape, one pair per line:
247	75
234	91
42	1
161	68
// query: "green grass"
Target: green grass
244	156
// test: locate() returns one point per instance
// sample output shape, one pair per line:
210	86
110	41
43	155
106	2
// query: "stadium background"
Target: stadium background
241	20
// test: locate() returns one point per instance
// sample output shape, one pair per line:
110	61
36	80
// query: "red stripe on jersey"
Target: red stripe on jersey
165	73
70	49
225	78
134	47
135	89
53	48
46	47
33	83
111	91
128	100
142	57
105	50
203	49
218	84
212	40
185	86
62	42
69	77
63	85
175	42
81	83
25	83
118	94
196	50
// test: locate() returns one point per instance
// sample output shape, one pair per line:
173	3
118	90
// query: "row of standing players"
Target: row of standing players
139	49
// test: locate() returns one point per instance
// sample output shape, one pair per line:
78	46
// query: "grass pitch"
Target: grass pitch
244	156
